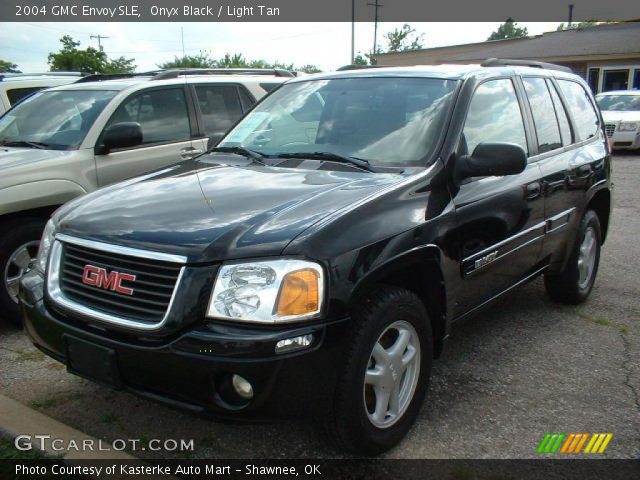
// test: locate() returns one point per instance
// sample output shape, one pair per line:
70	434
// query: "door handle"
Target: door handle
533	190
190	152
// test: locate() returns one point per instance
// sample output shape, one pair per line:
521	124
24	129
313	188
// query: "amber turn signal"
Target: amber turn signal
298	293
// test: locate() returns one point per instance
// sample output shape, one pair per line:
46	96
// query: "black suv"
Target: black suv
314	262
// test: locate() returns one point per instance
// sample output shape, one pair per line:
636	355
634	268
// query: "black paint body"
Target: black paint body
422	229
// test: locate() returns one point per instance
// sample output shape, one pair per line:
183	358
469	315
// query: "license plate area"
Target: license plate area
92	361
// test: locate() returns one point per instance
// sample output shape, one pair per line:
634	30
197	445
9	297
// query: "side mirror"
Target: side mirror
120	135
214	140
492	159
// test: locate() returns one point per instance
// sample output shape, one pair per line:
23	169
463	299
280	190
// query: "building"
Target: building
606	55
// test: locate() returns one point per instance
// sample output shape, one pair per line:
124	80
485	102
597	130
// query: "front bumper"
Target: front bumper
625	140
191	370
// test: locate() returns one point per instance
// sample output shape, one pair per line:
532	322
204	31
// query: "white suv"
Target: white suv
66	141
15	86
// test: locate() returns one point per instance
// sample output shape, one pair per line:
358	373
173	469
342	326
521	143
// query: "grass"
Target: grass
56	400
9	452
109	418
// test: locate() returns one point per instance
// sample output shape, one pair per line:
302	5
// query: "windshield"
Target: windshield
386	121
53	119
619	103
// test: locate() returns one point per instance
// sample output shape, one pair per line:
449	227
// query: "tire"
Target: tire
20	234
353	424
574	284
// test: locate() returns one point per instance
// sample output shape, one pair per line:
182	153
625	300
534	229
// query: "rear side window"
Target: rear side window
161	113
581	108
220	107
544	116
494	116
561	114
16	94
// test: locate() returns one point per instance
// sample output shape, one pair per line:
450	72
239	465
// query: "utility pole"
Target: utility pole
182	35
353	31
99	37
376	5
570	14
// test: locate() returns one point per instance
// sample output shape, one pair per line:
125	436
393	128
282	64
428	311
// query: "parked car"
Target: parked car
70	140
15	86
621	112
315	262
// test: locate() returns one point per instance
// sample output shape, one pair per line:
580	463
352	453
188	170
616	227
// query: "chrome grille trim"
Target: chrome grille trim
610	128
58	297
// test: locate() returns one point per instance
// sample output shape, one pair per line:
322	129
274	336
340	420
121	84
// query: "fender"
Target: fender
32	195
421	270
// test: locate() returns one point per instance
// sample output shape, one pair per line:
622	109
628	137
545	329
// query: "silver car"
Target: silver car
621	113
69	140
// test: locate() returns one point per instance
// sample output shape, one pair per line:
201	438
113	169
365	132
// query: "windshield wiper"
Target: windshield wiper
23	143
245	152
332	157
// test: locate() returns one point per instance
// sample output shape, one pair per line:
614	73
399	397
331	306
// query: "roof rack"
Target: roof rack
357	67
506	62
99	77
8	75
166	74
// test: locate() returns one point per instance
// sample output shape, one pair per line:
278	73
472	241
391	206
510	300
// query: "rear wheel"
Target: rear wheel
381	389
18	251
574	284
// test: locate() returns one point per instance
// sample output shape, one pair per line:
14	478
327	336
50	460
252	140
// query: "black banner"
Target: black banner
370	469
312	10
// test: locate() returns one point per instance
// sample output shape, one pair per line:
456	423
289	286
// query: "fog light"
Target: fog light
293	344
242	387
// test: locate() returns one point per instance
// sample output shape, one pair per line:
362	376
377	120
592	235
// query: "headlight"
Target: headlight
628	126
268	291
45	246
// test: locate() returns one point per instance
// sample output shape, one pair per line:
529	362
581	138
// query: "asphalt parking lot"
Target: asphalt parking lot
524	368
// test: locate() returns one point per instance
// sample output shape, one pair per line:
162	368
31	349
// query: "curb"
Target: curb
18	419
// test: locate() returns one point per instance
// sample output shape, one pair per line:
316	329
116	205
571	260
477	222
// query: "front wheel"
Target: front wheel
18	250
574	284
385	379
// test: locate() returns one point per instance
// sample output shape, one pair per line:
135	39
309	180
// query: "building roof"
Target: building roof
606	40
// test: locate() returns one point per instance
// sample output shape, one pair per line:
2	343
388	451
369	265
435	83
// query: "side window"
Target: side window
494	116
16	94
246	101
220	107
561	114
581	108
162	114
544	117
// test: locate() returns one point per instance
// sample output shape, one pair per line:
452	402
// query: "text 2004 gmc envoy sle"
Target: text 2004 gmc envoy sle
314	262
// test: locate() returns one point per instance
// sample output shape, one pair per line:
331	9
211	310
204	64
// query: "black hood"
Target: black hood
210	213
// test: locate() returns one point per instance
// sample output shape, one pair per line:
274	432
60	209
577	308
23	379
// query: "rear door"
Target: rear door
568	172
167	119
500	220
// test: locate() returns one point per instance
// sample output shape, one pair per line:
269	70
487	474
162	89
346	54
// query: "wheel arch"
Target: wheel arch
600	203
418	270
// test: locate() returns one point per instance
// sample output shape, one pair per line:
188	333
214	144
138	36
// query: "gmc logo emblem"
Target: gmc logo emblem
98	277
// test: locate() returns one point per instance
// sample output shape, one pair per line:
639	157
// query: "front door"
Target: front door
164	116
500	220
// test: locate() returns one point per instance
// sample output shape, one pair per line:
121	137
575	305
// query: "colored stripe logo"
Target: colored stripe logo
574	443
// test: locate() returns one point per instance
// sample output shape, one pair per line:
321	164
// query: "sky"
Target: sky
326	45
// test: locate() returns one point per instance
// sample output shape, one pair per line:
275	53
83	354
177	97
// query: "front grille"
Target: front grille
152	288
610	128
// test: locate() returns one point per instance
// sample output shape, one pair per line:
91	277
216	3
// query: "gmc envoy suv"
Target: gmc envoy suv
315	260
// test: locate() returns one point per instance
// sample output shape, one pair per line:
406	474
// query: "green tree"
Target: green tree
73	59
201	60
403	39
8	67
509	29
578	25
309	69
